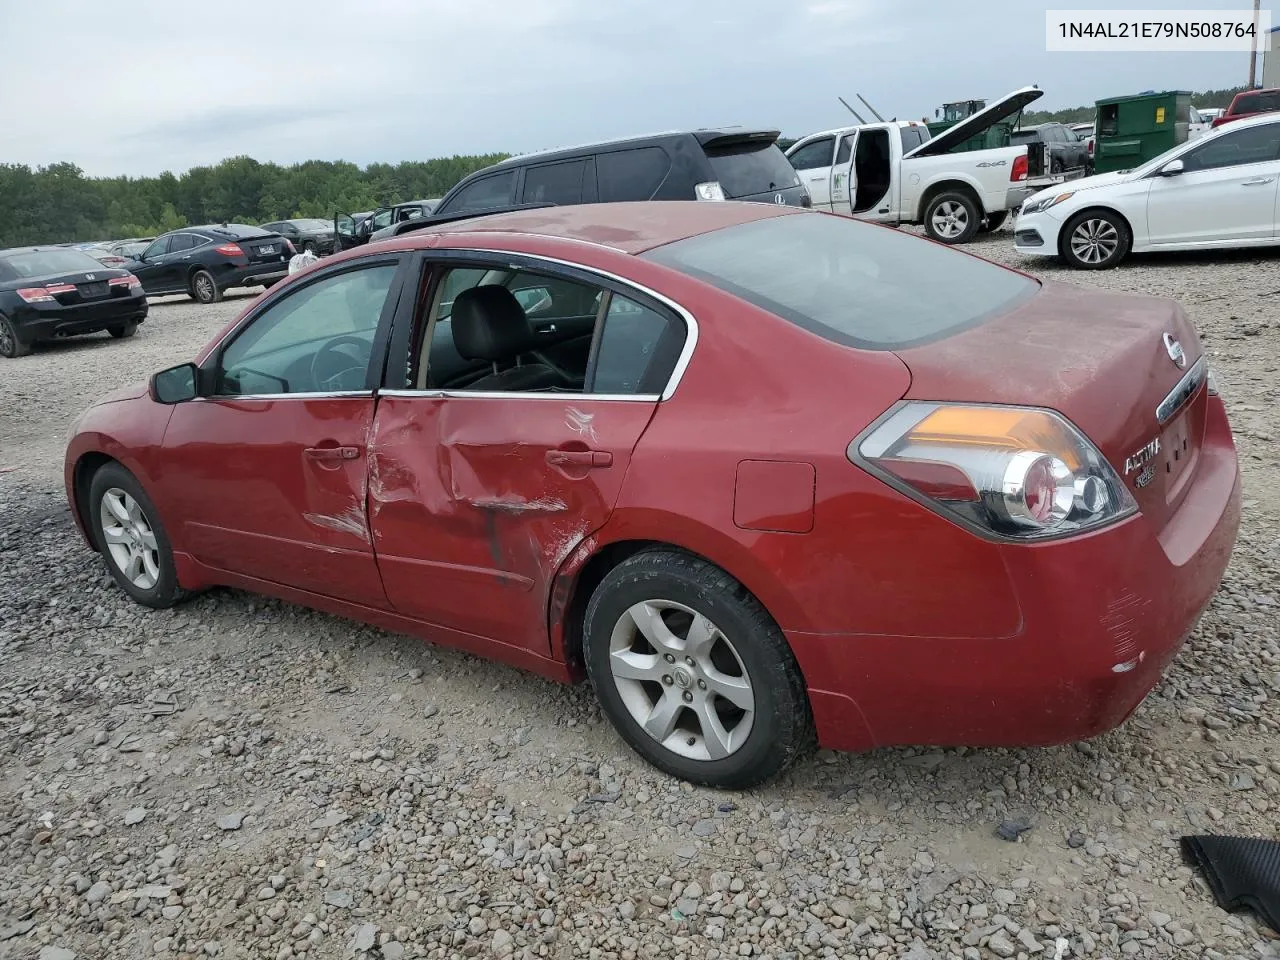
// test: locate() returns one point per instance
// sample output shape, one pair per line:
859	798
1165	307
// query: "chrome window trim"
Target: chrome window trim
1183	391
318	395
565	397
677	372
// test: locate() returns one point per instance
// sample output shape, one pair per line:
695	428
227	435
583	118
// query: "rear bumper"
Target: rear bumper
1102	616
253	274
32	324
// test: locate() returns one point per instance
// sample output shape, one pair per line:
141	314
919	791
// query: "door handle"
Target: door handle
332	453
1257	181
817	179
580	458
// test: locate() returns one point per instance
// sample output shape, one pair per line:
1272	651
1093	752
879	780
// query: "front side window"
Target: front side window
554	182
1252	145
158	248
814	156
381	218
485	193
317	340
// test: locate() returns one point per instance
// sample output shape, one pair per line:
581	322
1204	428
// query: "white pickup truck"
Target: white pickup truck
894	172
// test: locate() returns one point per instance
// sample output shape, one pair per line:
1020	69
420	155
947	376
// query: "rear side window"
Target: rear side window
853	283
485	193
912	137
554	182
751	169
638	347
631	174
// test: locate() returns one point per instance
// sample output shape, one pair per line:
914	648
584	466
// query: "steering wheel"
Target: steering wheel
341	364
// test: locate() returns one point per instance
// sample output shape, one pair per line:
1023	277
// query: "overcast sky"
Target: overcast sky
149	85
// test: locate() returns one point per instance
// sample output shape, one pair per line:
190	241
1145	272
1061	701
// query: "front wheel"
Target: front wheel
952	217
694	673
204	289
131	538
1095	240
124	331
10	345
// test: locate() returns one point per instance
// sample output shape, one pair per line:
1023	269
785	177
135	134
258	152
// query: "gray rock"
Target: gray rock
687	905
134	816
503	944
341	899
705	828
1001	946
478	927
230	821
98	892
57	953
365	937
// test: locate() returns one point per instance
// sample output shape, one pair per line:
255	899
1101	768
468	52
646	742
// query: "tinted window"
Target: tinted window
381	219
845	151
554	182
484	194
43	263
1253	145
1025	136
912	137
1263	101
634	354
314	224
182	241
631	174
157	249
317	340
752	169
815	155
851	282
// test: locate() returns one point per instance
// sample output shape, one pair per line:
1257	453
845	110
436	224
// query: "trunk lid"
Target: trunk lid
1006	106
1098	359
79	286
264	249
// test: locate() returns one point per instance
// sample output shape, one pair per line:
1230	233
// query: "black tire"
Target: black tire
747	641
994	221
309	248
204	289
958	211
1105	226
165	592
10	345
124	331
268	284
1055	165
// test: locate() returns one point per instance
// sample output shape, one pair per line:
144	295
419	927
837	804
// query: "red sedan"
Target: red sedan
764	475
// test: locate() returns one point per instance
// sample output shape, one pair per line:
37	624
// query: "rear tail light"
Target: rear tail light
1017	473
288	245
35	294
230	250
132	282
711	190
1090	146
1020	167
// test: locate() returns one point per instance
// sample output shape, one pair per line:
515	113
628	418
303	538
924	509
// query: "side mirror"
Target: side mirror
1171	169
176	384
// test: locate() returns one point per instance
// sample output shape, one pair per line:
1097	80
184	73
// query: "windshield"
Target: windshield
854	283
44	263
751	169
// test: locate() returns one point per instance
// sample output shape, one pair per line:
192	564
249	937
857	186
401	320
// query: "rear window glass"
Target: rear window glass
1262	102
751	169
43	263
1024	136
631	174
854	283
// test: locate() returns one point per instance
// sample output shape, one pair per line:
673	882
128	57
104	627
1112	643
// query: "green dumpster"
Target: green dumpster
1129	131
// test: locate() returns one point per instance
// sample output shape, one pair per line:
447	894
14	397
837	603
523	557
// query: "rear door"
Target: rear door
1226	191
813	162
477	497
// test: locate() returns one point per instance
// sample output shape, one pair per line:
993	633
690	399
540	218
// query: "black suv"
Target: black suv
305	234
1051	148
204	262
724	164
353	229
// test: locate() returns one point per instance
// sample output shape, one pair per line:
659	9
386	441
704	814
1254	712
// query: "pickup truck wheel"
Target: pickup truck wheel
951	217
1095	240
994	221
1055	165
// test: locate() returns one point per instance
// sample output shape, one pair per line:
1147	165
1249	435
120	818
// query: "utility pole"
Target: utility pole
1253	47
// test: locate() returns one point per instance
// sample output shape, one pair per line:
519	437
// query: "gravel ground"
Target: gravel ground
243	778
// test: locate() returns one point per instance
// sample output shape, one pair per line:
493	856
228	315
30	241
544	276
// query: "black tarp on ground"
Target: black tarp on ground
1242	872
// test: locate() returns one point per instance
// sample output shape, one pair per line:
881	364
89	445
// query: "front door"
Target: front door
153	268
813	165
478	493
843	181
1225	192
268	470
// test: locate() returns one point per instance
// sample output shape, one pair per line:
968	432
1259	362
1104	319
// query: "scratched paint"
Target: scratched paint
1124	613
581	423
349	521
517	505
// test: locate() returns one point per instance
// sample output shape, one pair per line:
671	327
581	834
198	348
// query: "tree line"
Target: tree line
59	204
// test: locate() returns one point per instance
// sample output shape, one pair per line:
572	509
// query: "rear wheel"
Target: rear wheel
131	538
124	331
951	217
204	289
10	345
994	221
1095	240
693	672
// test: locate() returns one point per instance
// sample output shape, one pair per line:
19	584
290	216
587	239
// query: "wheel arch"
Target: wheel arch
1063	236
946	186
82	474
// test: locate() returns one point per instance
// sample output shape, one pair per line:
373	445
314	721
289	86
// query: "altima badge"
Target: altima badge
1176	353
1140	459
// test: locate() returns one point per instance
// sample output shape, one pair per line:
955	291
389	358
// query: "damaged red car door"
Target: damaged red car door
474	502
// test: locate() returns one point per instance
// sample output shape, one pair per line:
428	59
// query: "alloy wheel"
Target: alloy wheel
1095	241
130	539
8	342
682	680
950	219
204	287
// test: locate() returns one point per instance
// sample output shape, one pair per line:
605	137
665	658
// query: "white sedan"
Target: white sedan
1215	192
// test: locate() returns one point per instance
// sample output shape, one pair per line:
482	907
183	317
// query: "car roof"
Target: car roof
226	229
627	227
703	136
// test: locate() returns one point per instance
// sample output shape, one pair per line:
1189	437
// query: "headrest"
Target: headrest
489	324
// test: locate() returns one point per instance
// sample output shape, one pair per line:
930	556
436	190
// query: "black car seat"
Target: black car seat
489	324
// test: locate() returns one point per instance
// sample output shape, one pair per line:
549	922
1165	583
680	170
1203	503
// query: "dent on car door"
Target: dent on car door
267	469
476	496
